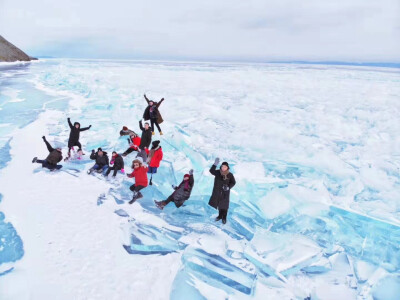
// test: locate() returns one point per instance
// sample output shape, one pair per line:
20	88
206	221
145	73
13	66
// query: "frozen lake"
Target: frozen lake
315	213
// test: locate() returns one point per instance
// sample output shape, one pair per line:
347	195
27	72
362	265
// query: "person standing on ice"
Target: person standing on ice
52	159
223	182
74	135
153	114
117	164
155	155
125	131
101	159
182	192
146	135
134	143
140	175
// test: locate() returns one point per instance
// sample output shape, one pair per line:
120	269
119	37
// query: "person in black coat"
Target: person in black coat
74	135
117	163
101	159
223	182
153	114
182	192
54	157
146	135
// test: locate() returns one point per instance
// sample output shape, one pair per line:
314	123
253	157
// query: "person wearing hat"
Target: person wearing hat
153	114
117	163
155	155
140	175
146	135
52	160
181	194
74	135
223	182
101	159
134	142
125	131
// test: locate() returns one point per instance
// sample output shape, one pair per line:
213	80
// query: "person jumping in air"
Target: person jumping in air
74	135
146	135
134	143
155	155
223	182
101	159
125	131
153	114
140	175
117	164
181	194
52	159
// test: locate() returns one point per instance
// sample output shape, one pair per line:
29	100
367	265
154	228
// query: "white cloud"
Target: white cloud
357	30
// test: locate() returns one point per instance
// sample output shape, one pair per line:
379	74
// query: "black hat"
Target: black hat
99	149
225	163
155	144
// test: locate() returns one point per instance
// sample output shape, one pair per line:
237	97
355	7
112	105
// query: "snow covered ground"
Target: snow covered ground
315	213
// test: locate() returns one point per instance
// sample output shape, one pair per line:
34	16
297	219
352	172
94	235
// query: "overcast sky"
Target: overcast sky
251	30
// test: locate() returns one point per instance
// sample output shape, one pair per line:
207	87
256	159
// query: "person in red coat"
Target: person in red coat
134	143
154	157
140	175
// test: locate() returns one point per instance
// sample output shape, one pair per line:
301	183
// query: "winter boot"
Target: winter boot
134	197
90	171
224	220
151	181
34	159
153	133
218	218
161	133
159	204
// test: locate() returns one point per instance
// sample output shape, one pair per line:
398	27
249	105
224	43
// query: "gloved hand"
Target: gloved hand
225	188
191	172
174	186
111	162
216	162
44	138
90	126
162	99
123	171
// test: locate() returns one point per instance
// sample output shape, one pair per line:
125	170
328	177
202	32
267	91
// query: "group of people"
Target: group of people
147	161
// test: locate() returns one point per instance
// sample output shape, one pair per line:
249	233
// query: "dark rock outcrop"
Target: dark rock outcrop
9	52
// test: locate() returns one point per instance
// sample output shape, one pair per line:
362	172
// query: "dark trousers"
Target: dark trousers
152	122
136	188
129	150
222	213
70	145
112	169
46	164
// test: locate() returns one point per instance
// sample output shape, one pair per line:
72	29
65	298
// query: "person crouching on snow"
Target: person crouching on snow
117	164
223	182
52	159
101	159
182	192
125	131
134	143
74	135
140	175
153	114
155	155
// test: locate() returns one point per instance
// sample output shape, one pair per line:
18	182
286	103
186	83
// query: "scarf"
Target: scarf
186	185
224	174
151	154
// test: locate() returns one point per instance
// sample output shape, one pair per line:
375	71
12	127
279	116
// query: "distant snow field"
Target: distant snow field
315	212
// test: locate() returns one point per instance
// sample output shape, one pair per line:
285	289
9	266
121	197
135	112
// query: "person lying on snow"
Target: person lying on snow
117	164
140	175
125	131
146	135
101	159
134	143
182	192
74	135
153	114
76	156
52	159
223	182
154	157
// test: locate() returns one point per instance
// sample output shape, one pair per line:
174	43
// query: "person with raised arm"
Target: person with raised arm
52	160
74	135
153	114
224	181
